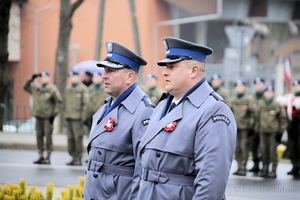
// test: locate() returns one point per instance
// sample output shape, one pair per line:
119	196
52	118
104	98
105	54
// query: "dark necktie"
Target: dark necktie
172	106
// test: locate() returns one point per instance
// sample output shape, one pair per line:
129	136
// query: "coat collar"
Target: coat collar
196	99
200	94
130	103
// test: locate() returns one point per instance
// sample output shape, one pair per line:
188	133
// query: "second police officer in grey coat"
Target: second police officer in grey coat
114	170
186	153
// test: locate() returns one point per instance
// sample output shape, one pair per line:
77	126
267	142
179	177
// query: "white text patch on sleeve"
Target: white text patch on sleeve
221	118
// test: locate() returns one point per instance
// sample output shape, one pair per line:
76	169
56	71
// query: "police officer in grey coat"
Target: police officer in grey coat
114	170
187	150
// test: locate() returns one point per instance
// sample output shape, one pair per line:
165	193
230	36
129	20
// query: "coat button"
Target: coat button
158	155
99	152
95	175
85	172
82	196
143	151
155	181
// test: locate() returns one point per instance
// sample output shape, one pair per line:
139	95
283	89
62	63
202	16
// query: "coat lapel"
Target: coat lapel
130	103
157	125
196	98
98	129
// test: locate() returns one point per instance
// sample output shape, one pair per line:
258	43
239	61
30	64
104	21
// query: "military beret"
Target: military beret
270	88
89	74
178	50
216	76
239	82
119	57
45	73
98	73
149	76
73	73
259	80
296	82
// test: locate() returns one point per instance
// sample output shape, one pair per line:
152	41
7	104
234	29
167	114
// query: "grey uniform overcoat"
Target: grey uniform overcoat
114	169
192	161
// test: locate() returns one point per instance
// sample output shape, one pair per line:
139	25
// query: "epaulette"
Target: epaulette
148	102
217	96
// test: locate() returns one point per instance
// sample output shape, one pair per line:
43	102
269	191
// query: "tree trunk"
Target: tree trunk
62	51
4	28
136	38
99	30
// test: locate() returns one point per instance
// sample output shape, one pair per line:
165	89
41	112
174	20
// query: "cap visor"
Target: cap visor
166	61
109	64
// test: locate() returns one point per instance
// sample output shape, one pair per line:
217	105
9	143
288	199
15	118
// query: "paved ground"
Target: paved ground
23	146
36	175
28	141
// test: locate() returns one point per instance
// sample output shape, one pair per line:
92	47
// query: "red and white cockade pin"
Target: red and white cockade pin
170	127
109	126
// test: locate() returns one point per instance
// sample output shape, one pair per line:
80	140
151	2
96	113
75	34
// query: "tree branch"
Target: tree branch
75	6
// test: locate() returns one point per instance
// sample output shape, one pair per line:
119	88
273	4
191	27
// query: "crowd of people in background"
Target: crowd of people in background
261	118
82	98
143	142
261	121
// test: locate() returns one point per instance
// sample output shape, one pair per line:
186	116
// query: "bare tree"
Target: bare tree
4	28
99	30
136	38
62	51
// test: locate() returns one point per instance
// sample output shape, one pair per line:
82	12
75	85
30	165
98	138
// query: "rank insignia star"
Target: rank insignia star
109	126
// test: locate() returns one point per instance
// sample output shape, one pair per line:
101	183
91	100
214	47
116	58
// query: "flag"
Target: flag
289	106
287	74
287	70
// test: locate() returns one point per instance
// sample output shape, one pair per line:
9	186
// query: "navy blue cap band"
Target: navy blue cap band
124	60
201	56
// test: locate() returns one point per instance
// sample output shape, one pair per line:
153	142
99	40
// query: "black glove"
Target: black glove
34	76
278	137
86	123
51	119
250	132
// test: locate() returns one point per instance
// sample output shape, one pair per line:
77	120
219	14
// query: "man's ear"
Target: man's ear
195	70
130	76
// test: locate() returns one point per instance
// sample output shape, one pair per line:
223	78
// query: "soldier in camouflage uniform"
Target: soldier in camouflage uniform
271	121
76	99
259	85
244	116
217	84
47	103
293	131
97	96
154	92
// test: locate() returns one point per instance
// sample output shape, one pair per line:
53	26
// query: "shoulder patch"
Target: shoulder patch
148	102
221	118
145	122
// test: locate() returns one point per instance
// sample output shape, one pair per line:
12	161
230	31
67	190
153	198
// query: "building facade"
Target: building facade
35	27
